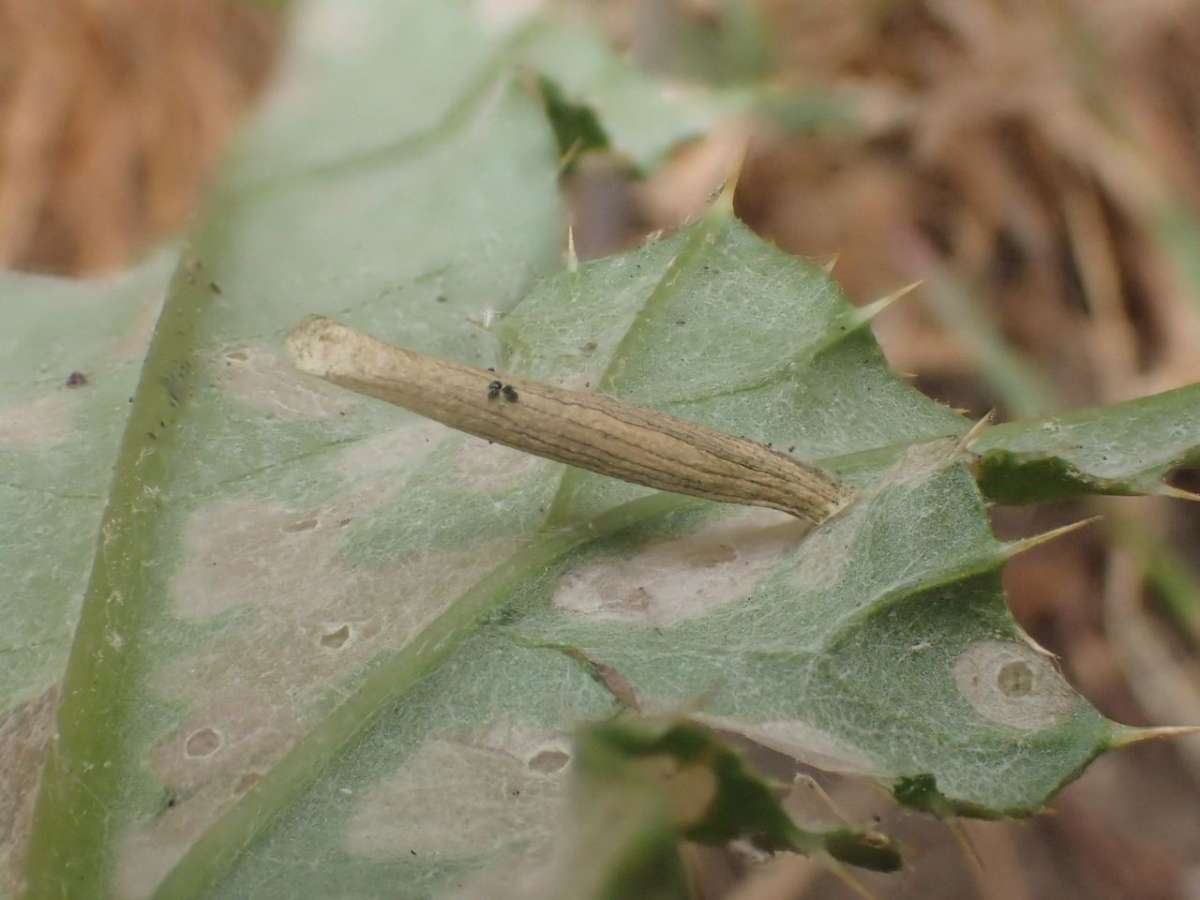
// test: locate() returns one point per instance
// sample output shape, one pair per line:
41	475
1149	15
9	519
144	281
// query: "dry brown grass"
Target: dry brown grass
112	113
1030	147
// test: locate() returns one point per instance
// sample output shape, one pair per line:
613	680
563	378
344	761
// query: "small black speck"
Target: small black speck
171	801
215	288
413	852
769	445
516	793
162	424
510	393
76	379
680	321
490	369
791	449
130	399
587	384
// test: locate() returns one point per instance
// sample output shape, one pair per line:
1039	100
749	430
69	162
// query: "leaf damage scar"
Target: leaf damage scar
584	429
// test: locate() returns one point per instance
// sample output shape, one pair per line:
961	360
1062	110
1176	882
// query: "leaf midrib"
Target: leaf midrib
70	836
390	678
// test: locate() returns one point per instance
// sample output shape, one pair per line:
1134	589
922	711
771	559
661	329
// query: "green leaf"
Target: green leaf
58	441
709	794
447	225
601	102
321	645
642	119
575	125
340	54
70	355
880	641
1128	448
640	788
1125	449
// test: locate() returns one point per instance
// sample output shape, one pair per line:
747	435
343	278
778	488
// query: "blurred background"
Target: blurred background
1035	162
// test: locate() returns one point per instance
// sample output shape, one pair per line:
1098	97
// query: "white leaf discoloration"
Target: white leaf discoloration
24	735
259	379
463	796
37	424
803	742
1014	685
682	578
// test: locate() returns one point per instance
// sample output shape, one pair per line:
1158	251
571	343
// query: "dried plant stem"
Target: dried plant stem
591	431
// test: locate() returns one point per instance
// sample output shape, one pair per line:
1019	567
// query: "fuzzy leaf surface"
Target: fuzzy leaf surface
328	648
878	643
1128	448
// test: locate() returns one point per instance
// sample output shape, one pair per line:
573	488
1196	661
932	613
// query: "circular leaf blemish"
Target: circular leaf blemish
204	742
335	638
1015	679
1013	684
549	761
